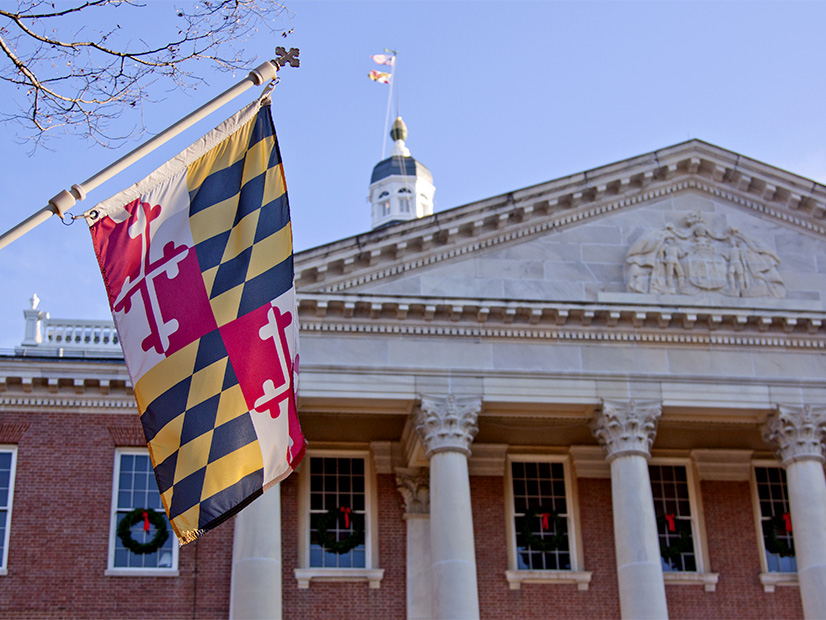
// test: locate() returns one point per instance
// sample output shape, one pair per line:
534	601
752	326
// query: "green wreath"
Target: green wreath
136	516
773	543
545	543
683	544
329	542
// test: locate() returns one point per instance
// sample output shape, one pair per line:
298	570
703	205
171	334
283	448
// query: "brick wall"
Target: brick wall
59	541
351	600
60	535
733	547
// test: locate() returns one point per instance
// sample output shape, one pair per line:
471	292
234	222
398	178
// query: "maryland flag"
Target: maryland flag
197	261
379	76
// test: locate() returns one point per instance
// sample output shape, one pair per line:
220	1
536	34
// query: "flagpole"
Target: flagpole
66	199
389	99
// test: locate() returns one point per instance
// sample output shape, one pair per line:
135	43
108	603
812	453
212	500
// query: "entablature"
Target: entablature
764	325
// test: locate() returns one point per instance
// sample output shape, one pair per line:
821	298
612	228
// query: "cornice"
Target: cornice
585	321
36	402
555	205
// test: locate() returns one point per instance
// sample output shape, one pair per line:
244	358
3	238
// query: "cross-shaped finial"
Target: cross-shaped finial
287	58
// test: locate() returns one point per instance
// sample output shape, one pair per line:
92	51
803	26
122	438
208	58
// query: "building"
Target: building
603	396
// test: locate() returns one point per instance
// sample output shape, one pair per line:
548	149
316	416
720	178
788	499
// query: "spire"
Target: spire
401	188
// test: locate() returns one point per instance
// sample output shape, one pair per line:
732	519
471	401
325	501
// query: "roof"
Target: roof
400	166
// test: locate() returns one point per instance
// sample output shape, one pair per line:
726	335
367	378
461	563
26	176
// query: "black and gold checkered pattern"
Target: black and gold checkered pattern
200	436
240	221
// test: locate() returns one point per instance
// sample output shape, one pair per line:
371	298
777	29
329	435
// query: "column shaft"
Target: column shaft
255	592
453	556
807	500
419	586
639	569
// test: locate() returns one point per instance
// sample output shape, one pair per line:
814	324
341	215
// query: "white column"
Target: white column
799	431
414	487
255	593
626	429
447	427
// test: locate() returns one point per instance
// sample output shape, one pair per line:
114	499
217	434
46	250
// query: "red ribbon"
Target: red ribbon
145	521
788	519
670	519
545	523
346	512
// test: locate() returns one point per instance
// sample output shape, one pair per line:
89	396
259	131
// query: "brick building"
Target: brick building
603	396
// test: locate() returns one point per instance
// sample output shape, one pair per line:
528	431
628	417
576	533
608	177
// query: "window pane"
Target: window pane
137	489
669	488
775	519
338	523
540	516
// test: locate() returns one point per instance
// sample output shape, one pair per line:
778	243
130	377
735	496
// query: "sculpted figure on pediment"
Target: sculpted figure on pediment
691	259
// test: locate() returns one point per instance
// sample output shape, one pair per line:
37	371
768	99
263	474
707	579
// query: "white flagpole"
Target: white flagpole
392	85
66	199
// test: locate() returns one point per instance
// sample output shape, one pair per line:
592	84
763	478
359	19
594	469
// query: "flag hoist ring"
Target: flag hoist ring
147	516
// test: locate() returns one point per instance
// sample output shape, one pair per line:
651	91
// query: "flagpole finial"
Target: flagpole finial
283	57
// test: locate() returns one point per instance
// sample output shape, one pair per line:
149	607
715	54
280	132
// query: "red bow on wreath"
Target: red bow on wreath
787	518
346	512
145	521
672	527
545	519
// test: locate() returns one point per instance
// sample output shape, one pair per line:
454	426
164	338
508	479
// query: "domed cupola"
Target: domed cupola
401	188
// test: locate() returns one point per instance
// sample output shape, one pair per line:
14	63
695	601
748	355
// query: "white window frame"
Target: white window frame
4	561
703	575
123	571
576	575
769	579
371	573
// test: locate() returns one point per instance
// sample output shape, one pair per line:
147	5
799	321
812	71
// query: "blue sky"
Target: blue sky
496	96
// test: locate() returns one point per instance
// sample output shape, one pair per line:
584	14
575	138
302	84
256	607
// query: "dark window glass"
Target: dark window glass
775	519
540	516
137	489
337	512
669	486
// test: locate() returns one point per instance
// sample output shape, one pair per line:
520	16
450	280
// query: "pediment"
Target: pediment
688	225
691	244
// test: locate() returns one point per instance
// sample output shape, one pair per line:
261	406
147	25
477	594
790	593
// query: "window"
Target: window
540	507
337	512
405	199
8	461
135	488
338	505
775	520
672	506
544	540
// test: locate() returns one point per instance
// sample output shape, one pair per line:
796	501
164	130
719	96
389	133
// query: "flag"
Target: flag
379	76
384	59
198	265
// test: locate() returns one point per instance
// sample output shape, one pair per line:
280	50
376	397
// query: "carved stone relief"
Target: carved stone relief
691	259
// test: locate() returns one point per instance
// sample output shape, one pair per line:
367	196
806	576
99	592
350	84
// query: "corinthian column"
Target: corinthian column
626	430
414	487
798	432
447	427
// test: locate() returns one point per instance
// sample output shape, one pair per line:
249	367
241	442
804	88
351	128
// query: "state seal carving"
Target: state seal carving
691	259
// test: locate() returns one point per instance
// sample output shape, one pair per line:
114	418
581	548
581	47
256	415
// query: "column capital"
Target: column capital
448	424
797	431
414	486
627	427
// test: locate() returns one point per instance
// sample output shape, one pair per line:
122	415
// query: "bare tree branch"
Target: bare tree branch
83	81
